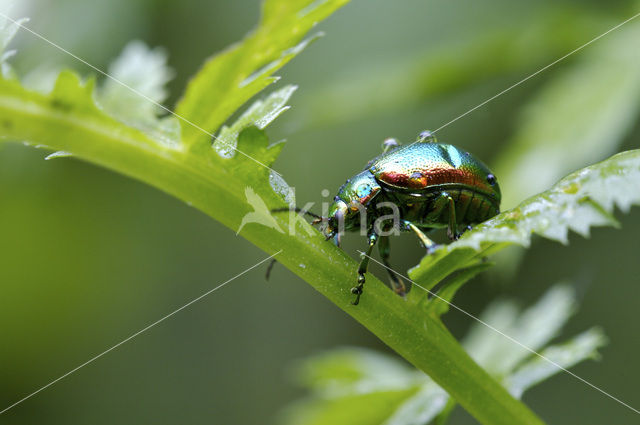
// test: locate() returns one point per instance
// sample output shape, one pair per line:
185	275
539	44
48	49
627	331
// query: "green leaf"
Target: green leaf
350	371
566	355
574	121
422	407
8	30
232	77
41	79
364	409
260	114
440	304
139	78
581	200
357	377
533	328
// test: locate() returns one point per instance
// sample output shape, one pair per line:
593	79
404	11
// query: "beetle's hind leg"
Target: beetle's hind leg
396	284
452	229
444	204
362	268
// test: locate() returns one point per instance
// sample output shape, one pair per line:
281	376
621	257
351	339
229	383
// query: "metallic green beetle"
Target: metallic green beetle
417	187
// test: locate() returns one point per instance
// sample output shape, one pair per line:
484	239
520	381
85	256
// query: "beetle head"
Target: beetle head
350	205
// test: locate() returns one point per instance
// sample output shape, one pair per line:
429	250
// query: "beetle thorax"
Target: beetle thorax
351	202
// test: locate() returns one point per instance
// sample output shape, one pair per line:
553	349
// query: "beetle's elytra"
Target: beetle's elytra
432	185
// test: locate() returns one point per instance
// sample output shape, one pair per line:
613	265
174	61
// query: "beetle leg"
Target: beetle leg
452	230
442	202
269	268
397	285
362	268
426	242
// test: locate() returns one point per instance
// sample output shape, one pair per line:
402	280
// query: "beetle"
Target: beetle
417	187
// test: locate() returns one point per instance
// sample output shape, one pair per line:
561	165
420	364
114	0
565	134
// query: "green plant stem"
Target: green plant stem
218	191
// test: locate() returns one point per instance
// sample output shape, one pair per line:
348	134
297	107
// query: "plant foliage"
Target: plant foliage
357	377
581	200
101	123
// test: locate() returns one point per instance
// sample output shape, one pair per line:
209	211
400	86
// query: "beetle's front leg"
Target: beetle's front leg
362	268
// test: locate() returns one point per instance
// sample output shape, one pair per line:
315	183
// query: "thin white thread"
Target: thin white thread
136	91
503	334
536	73
136	334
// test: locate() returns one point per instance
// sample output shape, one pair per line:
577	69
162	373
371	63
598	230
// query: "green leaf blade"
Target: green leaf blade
422	407
574	121
440	304
364	409
231	78
582	347
136	87
581	200
533	328
260	114
357	376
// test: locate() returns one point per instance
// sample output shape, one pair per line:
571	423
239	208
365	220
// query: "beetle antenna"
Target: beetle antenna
299	210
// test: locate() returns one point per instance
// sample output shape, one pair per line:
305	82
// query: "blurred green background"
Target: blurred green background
88	257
